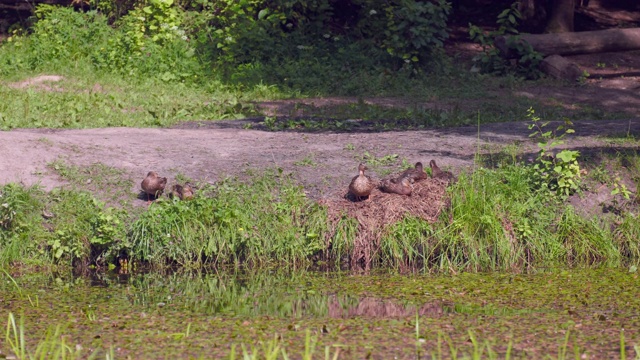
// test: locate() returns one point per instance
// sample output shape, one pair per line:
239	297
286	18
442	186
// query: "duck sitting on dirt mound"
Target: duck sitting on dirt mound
414	175
436	173
401	186
362	184
182	192
153	184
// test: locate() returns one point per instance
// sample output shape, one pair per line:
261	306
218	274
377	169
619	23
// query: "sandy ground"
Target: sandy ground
209	154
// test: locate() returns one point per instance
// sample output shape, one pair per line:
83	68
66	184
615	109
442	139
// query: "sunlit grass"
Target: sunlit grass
497	221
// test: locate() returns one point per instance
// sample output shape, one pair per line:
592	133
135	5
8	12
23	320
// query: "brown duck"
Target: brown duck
402	186
183	192
437	173
362	184
414	175
153	184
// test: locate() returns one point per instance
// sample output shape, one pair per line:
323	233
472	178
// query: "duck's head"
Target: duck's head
362	167
419	166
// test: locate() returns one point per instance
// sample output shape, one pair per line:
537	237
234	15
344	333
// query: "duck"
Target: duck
153	184
437	173
402	186
362	184
416	174
183	192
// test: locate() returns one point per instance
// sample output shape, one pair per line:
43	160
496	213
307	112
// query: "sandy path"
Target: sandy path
212	153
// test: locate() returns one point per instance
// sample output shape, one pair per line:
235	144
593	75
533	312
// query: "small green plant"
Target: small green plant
385	160
270	122
583	78
619	188
600	174
307	161
558	172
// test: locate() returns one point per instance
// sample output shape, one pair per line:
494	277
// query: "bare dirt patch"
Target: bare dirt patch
42	82
210	154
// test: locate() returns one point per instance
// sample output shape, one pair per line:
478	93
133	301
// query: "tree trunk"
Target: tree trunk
585	42
534	15
561	19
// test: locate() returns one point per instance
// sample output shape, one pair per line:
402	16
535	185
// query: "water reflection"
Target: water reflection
372	307
258	294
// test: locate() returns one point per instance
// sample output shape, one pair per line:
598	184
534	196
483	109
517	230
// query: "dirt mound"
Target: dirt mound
382	210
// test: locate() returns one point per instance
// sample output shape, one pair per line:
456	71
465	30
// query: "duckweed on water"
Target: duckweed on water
203	315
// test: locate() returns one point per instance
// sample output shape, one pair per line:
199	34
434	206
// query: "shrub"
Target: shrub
260	31
146	42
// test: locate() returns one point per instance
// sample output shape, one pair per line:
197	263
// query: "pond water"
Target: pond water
382	316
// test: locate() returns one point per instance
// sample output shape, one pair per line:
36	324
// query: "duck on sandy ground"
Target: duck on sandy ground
153	185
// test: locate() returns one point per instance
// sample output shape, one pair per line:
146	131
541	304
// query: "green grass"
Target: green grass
120	76
88	98
258	222
498	220
119	102
108	183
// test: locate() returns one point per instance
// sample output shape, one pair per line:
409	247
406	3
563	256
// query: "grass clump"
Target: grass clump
499	220
493	219
64	227
19	217
258	222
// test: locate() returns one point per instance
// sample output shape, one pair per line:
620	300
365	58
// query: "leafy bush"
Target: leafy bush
146	42
260	31
558	172
84	231
492	61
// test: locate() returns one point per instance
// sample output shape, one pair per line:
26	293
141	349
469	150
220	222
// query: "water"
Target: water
183	315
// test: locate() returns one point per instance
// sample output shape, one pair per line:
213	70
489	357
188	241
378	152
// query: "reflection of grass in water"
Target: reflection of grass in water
254	293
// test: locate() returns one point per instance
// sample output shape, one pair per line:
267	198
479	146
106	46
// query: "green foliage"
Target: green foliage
85	231
117	102
558	172
68	227
147	42
58	37
19	218
620	188
15	201
268	219
413	27
259	33
492	61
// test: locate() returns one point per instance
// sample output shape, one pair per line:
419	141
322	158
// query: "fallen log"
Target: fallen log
572	43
